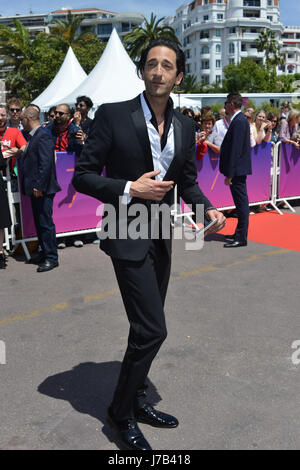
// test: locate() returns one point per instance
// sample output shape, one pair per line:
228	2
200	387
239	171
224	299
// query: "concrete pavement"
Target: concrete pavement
225	370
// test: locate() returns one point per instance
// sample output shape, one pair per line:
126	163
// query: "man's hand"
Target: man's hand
80	137
37	193
228	181
147	188
214	214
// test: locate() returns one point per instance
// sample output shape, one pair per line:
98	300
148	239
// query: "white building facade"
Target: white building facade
215	33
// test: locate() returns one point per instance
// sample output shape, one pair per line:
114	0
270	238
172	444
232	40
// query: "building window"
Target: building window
105	28
270	3
205	2
218	78
231	61
205	50
270	18
205	79
220	16
218	33
218	64
205	17
232	30
204	34
251	14
205	64
220	1
218	48
125	27
231	48
251	3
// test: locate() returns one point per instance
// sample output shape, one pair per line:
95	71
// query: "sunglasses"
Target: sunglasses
15	109
60	113
52	116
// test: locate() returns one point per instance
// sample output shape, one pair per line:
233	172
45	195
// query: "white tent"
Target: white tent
112	79
69	76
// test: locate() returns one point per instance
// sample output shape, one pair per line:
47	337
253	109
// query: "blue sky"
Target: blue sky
290	9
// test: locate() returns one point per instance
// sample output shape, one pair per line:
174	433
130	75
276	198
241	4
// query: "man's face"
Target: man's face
160	72
14	112
229	108
25	122
62	115
82	108
3	117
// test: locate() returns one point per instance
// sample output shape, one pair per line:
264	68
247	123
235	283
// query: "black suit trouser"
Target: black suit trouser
239	193
143	285
42	208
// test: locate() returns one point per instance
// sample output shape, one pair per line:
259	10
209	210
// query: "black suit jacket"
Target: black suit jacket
118	141
37	165
235	156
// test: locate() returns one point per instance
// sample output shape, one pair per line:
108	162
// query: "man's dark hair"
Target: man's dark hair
236	99
86	100
180	58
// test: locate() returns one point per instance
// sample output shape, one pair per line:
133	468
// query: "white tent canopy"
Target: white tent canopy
112	79
69	76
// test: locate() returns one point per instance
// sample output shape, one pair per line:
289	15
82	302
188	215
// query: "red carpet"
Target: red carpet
272	229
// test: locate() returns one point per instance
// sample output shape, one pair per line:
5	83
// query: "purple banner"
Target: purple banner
289	179
211	181
72	211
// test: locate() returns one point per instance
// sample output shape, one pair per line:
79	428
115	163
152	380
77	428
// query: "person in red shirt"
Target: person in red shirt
12	139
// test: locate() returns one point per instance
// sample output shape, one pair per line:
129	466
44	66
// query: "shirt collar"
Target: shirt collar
34	131
235	114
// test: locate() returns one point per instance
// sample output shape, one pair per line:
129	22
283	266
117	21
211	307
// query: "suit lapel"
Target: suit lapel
172	170
142	133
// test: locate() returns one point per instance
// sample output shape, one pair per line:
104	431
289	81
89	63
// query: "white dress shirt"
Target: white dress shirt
161	158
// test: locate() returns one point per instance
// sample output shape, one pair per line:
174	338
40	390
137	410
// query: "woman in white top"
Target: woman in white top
261	128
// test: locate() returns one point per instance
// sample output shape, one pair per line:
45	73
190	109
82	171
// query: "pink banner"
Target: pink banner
72	211
289	179
211	181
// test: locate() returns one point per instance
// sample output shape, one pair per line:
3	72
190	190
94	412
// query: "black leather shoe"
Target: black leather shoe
235	244
148	415
47	266
130	434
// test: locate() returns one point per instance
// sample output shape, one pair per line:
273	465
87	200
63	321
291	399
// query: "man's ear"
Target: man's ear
178	79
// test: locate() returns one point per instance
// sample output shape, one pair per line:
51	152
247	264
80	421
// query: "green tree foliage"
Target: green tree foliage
267	43
33	63
189	84
140	37
247	76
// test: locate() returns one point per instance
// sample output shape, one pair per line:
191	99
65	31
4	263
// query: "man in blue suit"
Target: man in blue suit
235	165
38	180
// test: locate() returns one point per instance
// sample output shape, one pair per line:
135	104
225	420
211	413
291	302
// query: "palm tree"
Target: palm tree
65	32
189	84
140	37
266	42
15	46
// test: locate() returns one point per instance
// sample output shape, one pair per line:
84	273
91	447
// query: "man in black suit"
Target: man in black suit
146	148
38	180
235	165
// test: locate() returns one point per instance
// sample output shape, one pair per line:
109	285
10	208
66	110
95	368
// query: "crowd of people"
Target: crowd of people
279	126
69	129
